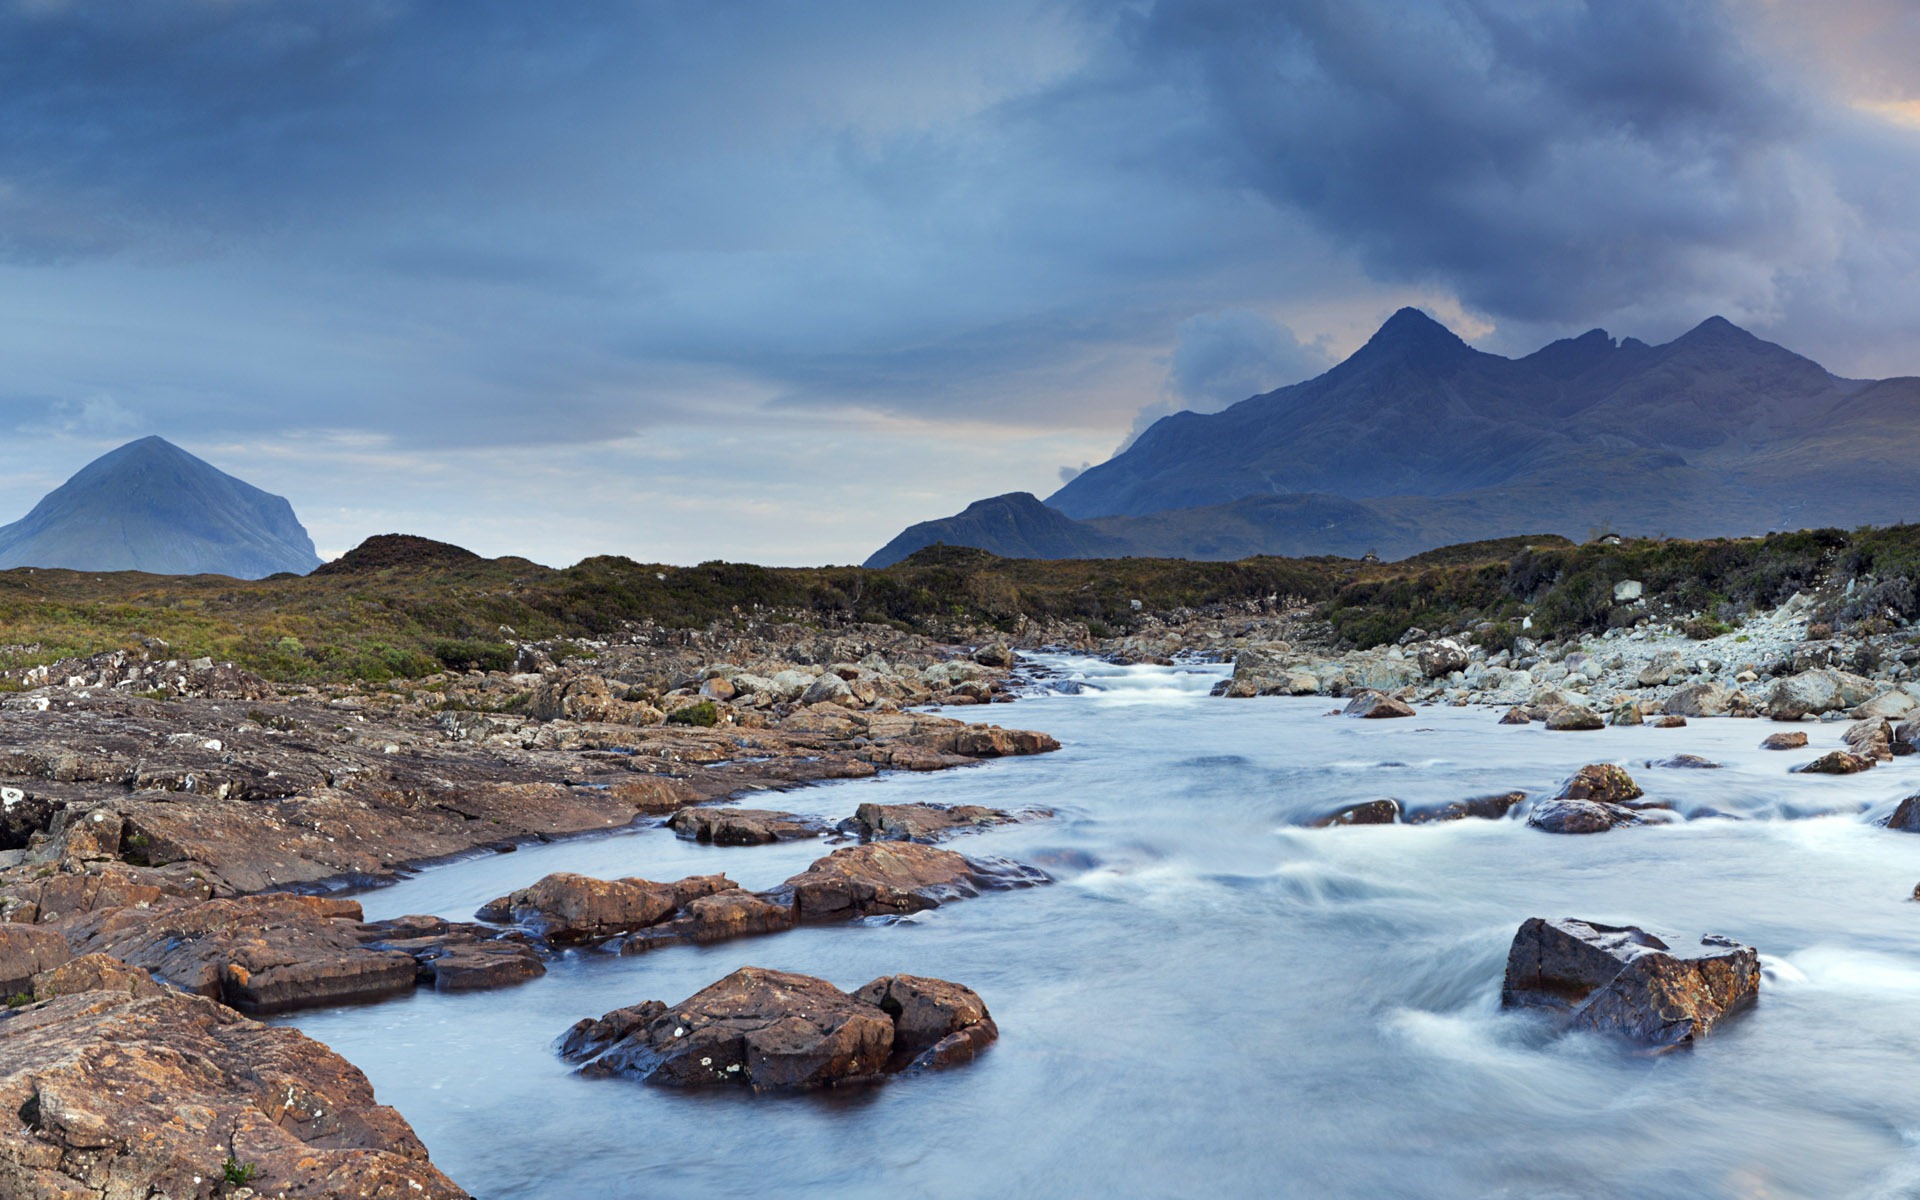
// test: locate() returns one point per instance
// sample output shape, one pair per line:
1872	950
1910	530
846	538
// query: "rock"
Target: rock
1816	691
991	741
260	954
95	973
1370	812
1515	716
1670	722
1602	783
743	826
1485	808
26	951
1871	739
564	907
1627	713
1905	818
1441	658
996	655
1784	741
1574	717
1624	982
1686	762
718	687
924	822
454	956
1699	700
579	698
1893	704
1376	705
1579	816
829	689
1627	591
935	1023
777	1030
1837	762
120	1095
1664	667
893	878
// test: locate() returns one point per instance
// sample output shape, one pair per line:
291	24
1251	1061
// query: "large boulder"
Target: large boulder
893	878
1603	783
1784	741
777	1030
991	741
1441	658
1625	982
1837	762
1906	816
1573	717
114	1094
1594	800
1699	700
1821	690
565	907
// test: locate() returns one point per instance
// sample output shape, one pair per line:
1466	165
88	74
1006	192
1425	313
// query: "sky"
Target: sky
767	281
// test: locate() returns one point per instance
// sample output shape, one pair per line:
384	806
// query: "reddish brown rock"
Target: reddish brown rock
991	741
455	956
565	907
1376	705
1871	739
95	973
116	1095
1626	983
26	951
1671	721
1516	716
1601	783
1906	816
1573	717
777	1030
893	878
1784	741
743	826
1837	762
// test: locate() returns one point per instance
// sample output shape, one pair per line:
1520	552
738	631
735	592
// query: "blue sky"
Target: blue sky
771	280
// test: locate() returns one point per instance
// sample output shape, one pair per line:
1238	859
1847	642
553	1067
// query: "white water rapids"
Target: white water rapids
1212	1000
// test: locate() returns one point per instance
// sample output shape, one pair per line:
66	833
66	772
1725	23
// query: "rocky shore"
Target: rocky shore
159	818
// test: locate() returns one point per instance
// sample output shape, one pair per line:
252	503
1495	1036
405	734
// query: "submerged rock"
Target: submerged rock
1368	812
1516	716
1670	722
778	1030
1484	808
1686	762
1376	705
1625	982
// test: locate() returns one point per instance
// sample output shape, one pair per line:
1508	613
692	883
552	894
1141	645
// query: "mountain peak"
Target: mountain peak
151	506
1411	334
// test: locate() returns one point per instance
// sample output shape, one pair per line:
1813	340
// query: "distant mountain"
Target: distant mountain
1418	440
150	506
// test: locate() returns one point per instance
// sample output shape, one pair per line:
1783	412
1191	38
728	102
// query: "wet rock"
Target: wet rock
1574	717
1629	984
1837	762
991	741
1515	716
26	951
996	655
1485	808
1370	812
776	1030
1627	713
567	908
1686	762
118	1095
1670	722
1579	816
1625	982
1784	741
1376	705
893	878
260	954
1602	783
1906	816
926	822
1871	739
744	826
456	956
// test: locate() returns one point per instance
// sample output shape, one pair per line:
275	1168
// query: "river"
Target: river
1212	1000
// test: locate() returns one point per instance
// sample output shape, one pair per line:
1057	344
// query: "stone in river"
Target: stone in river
1485	808
743	826
1906	817
1603	783
1376	705
1369	812
1574	717
1579	816
1671	721
1515	716
926	822
1784	741
565	907
1627	983
893	878
1686	762
1837	762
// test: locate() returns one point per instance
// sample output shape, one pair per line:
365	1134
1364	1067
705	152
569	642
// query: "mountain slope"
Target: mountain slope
150	506
1419	440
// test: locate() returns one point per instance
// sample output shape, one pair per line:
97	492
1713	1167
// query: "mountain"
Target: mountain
150	506
1418	440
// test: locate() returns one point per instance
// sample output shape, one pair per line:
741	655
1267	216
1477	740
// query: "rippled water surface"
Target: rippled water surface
1212	1000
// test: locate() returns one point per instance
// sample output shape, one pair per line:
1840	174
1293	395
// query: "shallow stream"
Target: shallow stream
1214	1001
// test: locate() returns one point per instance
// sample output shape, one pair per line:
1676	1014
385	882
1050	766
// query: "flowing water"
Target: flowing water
1215	1001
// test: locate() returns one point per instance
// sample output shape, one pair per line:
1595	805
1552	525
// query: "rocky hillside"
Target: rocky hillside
150	506
1419	440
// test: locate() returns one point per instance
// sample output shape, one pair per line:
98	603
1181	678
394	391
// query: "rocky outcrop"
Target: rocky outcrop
744	826
1625	982
775	1030
1375	705
117	1094
26	951
893	879
927	823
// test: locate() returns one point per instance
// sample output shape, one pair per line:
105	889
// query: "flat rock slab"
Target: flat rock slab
1625	982
893	879
744	826
125	1095
928	823
775	1030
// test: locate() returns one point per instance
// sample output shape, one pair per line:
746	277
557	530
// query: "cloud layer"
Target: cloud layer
370	247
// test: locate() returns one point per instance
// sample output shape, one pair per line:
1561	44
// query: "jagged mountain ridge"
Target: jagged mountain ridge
151	506
1418	440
